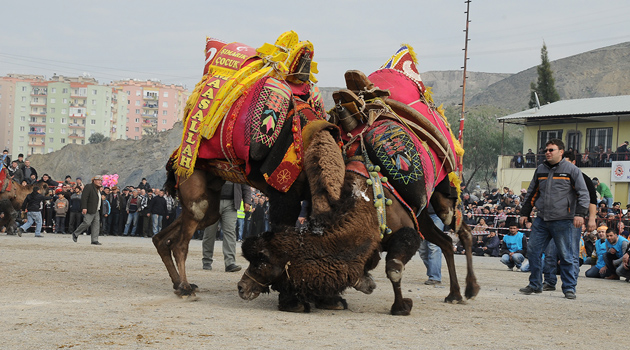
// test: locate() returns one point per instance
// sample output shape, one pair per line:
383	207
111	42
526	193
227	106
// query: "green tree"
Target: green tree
484	141
97	138
546	85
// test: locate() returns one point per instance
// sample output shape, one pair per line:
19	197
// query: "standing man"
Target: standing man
559	193
158	210
116	205
33	205
90	207
431	254
231	196
28	172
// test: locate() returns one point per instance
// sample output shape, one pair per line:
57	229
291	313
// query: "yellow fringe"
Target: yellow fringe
412	53
455	181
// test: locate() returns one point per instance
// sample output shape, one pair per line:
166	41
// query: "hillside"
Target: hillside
597	73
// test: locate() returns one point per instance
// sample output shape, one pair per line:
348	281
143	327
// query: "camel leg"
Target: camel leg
400	247
452	216
472	288
162	242
438	237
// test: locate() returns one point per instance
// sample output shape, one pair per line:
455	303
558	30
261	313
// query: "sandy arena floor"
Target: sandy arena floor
56	294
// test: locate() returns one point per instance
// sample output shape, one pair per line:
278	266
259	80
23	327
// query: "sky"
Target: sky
164	40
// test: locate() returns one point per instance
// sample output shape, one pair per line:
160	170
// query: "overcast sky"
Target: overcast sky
164	40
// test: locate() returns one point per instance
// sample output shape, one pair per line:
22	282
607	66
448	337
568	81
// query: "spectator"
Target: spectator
231	196
622	151
431	254
624	268
6	160
514	248
604	191
79	183
144	185
144	214
75	210
157	211
15	173
106	210
117	206
32	205
616	247
481	227
132	213
489	245
20	161
30	174
61	208
49	181
621	228
530	159
585	159
90	208
518	161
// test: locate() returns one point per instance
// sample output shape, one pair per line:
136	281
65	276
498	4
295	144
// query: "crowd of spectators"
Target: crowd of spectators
493	217
596	157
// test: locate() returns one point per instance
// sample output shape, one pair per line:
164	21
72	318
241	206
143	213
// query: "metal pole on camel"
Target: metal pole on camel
460	136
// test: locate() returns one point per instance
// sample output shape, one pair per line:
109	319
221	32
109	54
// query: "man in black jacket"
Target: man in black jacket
90	207
157	211
32	205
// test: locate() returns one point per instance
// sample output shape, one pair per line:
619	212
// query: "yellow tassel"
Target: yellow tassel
456	182
412	53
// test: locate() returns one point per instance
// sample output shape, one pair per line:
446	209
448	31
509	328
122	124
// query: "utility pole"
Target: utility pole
460	136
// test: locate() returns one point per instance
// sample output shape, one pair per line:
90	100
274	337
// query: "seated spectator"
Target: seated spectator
624	268
518	161
489	245
470	220
589	247
622	151
514	248
481	226
607	157
621	228
585	159
597	257
616	246
530	159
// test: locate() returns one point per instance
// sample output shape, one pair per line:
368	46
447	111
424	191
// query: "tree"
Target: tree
483	138
546	85
97	138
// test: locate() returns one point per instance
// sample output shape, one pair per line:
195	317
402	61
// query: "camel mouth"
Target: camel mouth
246	290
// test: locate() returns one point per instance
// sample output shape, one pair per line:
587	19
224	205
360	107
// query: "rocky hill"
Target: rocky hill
130	159
597	73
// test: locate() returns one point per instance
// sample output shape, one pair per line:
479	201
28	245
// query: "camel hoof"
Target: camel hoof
471	291
454	299
183	291
404	309
336	303
366	284
299	307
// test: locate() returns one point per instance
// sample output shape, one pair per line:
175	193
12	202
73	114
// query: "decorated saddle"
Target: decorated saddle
390	118
252	105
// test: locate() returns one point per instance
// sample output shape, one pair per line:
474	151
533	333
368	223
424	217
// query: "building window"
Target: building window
51	120
93	121
94	92
63	131
51	140
63	120
24	88
137	102
53	90
51	130
22	128
22	118
574	140
165	104
137	120
136	138
53	100
598	138
23	109
164	112
138	93
65	91
93	102
137	111
163	121
65	101
24	99
52	110
64	111
546	135
165	93
137	129
63	140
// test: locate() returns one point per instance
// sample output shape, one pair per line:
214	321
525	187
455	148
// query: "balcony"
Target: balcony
76	126
77	105
41	104
36	144
37	123
39	92
146	115
37	114
77	115
151	105
73	95
76	136
150	97
37	133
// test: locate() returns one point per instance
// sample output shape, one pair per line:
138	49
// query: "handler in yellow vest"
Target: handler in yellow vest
240	221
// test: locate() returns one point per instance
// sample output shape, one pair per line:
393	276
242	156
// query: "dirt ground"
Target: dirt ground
56	294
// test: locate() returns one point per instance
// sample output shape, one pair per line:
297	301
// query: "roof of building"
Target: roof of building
572	110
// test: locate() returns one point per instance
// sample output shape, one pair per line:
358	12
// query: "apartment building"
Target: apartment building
151	106
40	115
